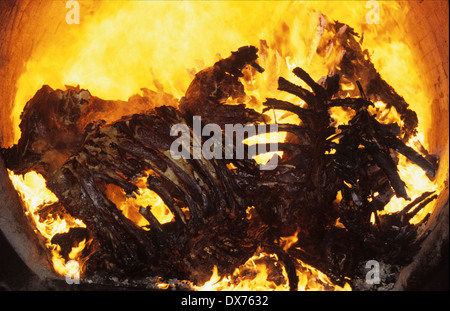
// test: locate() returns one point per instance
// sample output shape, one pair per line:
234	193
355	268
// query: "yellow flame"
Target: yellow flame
385	115
146	197
265	139
121	46
35	194
417	182
163	286
287	242
242	282
254	275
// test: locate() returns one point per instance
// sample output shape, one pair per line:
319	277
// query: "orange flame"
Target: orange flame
35	194
417	182
287	242
121	46
146	197
255	275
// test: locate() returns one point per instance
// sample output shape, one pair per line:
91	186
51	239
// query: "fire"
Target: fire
386	115
287	242
255	274
238	281
35	195
122	46
417	182
130	205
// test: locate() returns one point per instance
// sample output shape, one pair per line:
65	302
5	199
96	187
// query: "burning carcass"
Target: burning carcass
134	209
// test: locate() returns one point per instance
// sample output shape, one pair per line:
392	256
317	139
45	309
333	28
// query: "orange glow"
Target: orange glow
123	46
259	282
385	115
130	206
120	47
287	242
255	275
34	193
417	182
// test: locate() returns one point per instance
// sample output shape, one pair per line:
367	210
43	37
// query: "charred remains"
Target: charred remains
67	137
